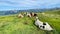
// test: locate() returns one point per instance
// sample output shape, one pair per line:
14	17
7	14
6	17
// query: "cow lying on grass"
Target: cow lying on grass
28	14
43	26
33	14
20	16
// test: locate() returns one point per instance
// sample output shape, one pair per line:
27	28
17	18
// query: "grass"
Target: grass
11	24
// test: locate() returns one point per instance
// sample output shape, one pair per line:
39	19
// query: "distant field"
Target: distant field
11	24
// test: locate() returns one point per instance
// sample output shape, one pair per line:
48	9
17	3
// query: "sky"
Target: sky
28	4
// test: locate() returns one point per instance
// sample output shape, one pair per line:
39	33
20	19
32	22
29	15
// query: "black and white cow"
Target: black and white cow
43	26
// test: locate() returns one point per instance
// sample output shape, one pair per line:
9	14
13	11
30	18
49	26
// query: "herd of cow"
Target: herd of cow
40	24
27	14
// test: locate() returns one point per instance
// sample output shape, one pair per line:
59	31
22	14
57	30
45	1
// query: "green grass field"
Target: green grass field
11	24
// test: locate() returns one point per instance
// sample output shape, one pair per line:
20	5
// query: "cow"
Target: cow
28	14
33	14
20	16
43	25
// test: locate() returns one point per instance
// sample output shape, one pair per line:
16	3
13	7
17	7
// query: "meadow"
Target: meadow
11	24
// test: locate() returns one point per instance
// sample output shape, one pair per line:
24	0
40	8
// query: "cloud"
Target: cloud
29	4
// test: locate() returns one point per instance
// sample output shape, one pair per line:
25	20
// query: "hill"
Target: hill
11	24
9	12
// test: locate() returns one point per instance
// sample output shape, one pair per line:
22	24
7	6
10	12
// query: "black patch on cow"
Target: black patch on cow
35	14
43	27
40	26
44	23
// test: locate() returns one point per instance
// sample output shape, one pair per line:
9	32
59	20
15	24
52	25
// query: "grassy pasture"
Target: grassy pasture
11	24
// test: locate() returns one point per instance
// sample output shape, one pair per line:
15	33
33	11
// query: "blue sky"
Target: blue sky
28	4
